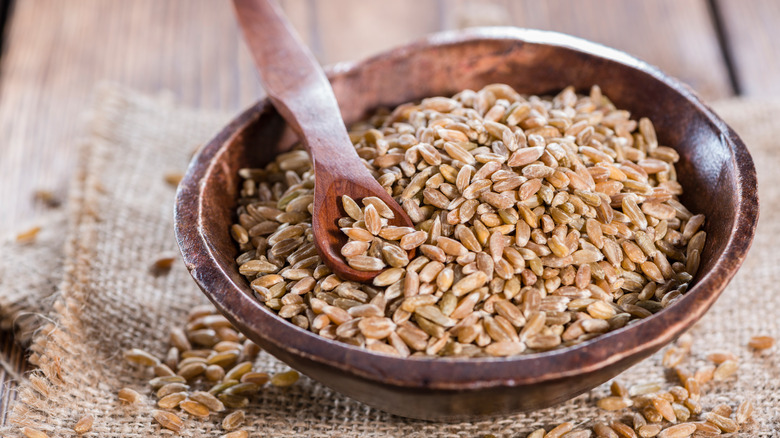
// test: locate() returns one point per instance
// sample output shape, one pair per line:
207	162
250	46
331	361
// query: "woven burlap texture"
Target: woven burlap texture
120	219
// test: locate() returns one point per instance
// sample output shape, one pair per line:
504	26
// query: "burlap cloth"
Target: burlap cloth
119	216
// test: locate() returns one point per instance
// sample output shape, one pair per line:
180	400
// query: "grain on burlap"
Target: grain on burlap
120	218
30	274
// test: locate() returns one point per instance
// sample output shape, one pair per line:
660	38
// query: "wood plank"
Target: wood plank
676	35
348	30
190	48
301	15
752	37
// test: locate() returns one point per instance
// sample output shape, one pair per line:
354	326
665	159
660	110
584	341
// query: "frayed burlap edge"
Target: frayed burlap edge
52	339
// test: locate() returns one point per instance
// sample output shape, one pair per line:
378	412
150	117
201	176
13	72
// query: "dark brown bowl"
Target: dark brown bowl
715	170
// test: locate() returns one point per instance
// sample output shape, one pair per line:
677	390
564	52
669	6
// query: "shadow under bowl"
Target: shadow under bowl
715	170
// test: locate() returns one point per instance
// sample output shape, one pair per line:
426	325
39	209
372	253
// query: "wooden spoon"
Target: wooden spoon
301	93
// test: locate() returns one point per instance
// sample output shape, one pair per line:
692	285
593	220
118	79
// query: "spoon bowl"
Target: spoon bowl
715	170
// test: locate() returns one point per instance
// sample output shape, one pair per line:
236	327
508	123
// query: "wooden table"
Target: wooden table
55	51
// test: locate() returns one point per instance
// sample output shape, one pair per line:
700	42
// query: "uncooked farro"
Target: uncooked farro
208	354
233	420
84	424
29	432
761	342
130	396
236	434
168	420
561	206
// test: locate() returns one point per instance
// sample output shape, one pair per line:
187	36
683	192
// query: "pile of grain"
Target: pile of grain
207	370
540	222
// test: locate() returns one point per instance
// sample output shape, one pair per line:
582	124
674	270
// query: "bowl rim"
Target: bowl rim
466	373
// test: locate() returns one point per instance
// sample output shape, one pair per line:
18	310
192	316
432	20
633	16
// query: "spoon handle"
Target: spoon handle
297	86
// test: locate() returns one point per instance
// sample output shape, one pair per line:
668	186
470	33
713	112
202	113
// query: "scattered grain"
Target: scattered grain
194	408
28	236
725	370
761	342
173	178
84	424
140	357
682	430
744	412
171	401
33	433
233	420
162	264
285	379
168	420
129	396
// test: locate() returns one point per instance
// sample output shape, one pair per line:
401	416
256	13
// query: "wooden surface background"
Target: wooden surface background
54	53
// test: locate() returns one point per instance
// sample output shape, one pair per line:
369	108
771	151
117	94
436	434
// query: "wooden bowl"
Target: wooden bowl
715	170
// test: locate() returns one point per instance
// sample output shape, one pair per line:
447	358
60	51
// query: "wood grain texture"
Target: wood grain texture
348	30
676	35
190	48
753	39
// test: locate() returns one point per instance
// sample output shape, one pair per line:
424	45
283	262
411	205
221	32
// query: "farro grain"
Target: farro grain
171	388
559	430
725	424
723	410
614	403
171	401
664	407
285	379
622	430
208	400
140	357
258	378
162	264
33	433
194	408
233	420
192	370
704	374
682	430
168	420
761	342
648	430
28	235
744	412
84	424
579	433
705	429
602	430
161	381
129	396
725	370
720	356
